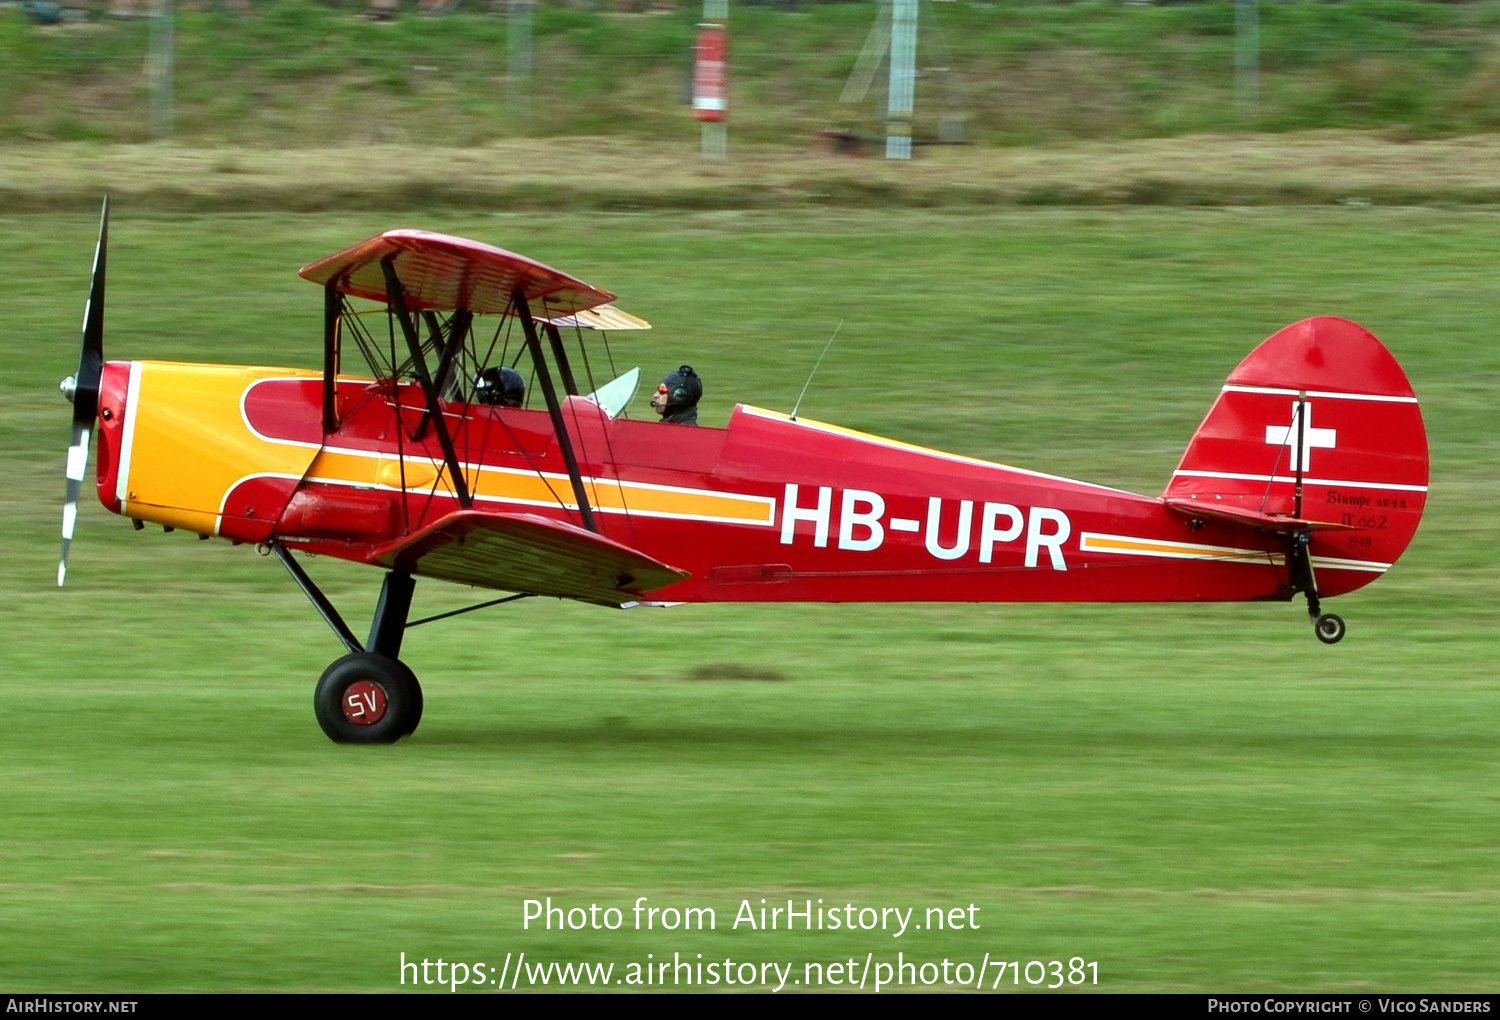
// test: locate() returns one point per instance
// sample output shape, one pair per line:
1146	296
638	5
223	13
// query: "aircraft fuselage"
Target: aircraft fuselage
767	509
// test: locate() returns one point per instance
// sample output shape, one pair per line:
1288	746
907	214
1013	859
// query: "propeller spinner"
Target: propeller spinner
82	388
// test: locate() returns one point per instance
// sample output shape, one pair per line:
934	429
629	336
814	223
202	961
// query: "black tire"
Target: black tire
417	700
367	686
1330	628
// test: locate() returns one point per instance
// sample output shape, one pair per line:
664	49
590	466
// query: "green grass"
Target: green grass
1197	797
296	73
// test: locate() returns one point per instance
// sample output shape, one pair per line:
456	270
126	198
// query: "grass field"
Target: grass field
1196	797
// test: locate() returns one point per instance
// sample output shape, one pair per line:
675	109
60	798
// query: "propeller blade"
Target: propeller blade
78	459
91	354
83	390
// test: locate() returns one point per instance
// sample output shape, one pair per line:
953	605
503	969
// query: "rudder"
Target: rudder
1359	457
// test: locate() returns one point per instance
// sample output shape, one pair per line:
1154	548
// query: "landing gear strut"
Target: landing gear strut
1328	627
369	696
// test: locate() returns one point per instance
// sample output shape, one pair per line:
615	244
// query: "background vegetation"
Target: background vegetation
296	73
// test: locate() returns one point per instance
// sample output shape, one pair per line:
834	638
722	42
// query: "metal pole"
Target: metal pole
518	58
160	68
715	140
716	132
1247	56
1300	455
903	80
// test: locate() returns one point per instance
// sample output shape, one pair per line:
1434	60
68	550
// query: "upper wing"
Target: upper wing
443	273
606	317
529	553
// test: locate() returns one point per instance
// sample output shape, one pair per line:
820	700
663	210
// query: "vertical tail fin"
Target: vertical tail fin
1318	422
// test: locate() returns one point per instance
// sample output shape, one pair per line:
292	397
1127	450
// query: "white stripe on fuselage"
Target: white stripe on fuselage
127	442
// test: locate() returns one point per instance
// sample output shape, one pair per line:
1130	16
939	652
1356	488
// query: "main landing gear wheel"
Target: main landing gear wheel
1330	628
415	716
366	698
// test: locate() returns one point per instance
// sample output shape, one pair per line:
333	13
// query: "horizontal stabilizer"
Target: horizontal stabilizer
529	553
1254	518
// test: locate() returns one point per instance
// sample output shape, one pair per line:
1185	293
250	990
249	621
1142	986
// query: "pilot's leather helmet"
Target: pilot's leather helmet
500	385
684	388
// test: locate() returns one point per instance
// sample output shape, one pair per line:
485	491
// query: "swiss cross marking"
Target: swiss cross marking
1290	435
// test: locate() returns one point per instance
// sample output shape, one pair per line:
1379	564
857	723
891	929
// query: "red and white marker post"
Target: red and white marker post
711	78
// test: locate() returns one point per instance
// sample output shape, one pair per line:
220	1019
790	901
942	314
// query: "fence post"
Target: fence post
1247	56
159	68
518	58
903	85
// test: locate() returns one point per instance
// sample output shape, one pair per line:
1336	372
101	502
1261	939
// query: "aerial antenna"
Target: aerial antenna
815	368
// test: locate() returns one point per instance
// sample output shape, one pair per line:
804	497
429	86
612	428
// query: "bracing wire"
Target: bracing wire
463	460
614	373
1265	496
609	445
373	355
583	350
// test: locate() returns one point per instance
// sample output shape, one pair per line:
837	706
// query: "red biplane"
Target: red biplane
1308	476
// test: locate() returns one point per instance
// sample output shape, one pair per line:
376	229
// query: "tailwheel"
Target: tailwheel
1329	627
365	698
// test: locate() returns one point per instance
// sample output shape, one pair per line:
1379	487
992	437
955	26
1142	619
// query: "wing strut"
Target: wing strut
544	377
561	357
397	298
333	310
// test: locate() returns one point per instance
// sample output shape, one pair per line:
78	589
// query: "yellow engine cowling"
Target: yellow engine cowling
190	456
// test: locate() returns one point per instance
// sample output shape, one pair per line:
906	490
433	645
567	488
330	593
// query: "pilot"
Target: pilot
676	399
500	385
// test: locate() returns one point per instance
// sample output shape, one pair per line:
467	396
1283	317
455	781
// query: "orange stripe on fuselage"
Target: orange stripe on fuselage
1131	546
507	485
